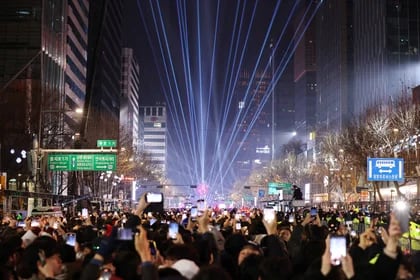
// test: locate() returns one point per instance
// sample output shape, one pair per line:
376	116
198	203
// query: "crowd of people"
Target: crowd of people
216	244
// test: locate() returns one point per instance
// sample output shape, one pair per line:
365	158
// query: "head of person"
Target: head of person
285	233
247	250
43	251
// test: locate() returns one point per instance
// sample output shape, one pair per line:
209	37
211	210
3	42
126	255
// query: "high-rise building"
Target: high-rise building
386	50
334	54
254	110
102	108
42	74
153	138
129	109
76	59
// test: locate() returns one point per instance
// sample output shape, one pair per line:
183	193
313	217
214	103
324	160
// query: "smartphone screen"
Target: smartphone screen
71	239
85	213
291	218
194	213
337	248
314	212
154	197
403	218
269	214
173	230
125	234
21	224
238	226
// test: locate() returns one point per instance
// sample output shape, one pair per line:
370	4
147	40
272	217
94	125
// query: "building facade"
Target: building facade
129	109
334	57
153	138
254	139
386	50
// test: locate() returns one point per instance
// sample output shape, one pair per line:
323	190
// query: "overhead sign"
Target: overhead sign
274	187
385	169
106	143
82	162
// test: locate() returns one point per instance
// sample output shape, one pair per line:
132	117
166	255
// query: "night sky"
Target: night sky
190	54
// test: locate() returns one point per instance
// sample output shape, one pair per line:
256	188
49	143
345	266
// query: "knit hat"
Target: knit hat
187	268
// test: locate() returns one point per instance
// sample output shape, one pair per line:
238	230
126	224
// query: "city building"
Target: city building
305	83
102	106
153	138
254	139
129	107
334	59
386	50
43	55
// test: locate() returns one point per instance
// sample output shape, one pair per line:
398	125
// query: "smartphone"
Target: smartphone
21	224
55	225
194	213
154	197
338	249
71	239
269	214
201	206
403	217
125	234
314	212
173	230
85	213
238	226
35	223
291	218
153	248
225	213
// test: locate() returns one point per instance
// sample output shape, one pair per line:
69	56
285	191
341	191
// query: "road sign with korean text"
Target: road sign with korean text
82	162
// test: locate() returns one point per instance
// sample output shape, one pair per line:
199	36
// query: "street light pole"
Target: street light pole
272	104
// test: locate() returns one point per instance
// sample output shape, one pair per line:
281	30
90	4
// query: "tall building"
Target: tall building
153	139
76	59
334	55
386	50
102	107
129	109
305	80
255	134
42	76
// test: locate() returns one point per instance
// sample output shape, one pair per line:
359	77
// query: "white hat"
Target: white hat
187	268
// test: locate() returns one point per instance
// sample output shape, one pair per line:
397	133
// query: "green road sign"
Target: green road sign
274	187
82	162
106	143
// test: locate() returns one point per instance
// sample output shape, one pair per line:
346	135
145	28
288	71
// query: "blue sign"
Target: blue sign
261	193
385	169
